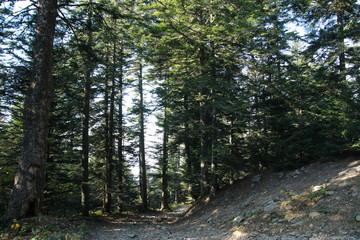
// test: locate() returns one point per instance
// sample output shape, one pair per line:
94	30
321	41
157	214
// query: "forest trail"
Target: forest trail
316	202
153	225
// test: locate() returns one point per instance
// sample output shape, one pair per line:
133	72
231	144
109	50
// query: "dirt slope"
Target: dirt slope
319	201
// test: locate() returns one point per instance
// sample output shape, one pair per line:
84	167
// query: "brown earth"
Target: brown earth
318	201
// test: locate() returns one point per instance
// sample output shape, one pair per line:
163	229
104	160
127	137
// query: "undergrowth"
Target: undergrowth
44	228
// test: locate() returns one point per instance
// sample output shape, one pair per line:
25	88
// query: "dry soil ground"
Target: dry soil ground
319	201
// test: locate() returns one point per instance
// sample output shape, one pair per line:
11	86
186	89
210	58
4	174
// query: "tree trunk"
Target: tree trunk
205	145
85	147
120	149
214	133
214	158
108	112
27	194
341	46
142	161
192	161
85	191
110	139
203	160
165	163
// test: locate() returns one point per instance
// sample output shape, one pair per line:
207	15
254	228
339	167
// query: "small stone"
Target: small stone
248	201
256	179
357	218
299	223
314	214
252	235
307	235
269	201
343	232
281	175
330	193
132	236
239	219
343	184
270	206
335	166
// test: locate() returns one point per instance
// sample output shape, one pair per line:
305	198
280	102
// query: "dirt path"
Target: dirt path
317	202
149	226
145	226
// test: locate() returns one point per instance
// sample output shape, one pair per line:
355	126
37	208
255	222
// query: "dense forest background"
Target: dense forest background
236	86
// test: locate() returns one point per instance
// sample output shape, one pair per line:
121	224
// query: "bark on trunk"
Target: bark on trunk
120	148
85	148
341	46
85	188
142	161
165	163
110	136
120	163
29	181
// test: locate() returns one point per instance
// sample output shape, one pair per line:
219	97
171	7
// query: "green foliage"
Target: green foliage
316	195
45	229
242	91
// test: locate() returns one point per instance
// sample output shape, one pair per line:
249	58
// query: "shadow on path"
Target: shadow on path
152	225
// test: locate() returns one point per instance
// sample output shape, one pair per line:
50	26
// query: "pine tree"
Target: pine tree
85	191
29	183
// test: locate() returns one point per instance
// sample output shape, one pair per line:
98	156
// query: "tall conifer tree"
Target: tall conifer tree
27	196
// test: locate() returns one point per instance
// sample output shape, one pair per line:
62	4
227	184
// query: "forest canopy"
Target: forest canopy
234	87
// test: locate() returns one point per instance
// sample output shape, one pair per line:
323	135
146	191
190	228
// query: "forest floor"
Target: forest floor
318	201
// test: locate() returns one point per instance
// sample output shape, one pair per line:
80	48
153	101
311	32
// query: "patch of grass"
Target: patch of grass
299	202
317	195
296	205
97	213
288	192
44	228
177	205
237	220
233	218
250	214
